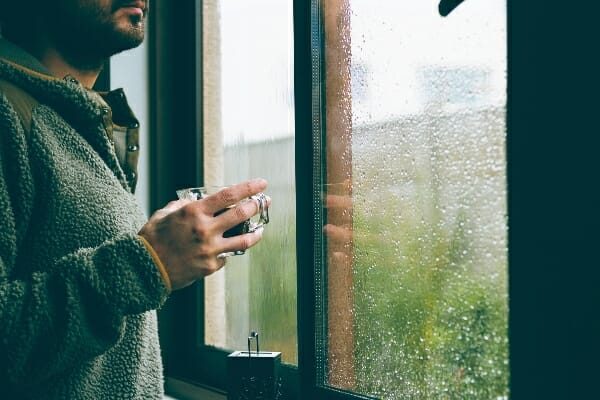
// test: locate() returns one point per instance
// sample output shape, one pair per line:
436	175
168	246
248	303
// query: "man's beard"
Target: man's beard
86	35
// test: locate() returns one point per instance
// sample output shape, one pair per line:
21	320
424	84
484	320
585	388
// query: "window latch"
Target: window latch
254	375
253	335
447	6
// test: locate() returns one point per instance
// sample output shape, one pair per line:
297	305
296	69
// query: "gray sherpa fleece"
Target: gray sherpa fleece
77	286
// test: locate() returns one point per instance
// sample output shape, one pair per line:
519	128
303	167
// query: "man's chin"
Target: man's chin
130	27
127	37
91	58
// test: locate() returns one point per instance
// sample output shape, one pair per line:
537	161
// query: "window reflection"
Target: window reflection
415	200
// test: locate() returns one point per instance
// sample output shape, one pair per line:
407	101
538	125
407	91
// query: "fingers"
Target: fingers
241	242
232	195
214	265
337	201
338	234
229	246
240	213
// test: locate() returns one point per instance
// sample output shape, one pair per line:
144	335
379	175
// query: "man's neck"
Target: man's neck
60	68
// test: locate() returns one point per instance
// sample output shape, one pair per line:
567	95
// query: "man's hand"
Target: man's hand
339	209
339	227
188	237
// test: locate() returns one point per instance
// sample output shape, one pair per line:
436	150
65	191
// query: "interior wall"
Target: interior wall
129	70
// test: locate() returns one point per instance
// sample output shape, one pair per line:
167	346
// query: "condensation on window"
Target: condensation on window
417	256
249	132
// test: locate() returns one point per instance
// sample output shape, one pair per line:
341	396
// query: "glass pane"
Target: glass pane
415	211
249	132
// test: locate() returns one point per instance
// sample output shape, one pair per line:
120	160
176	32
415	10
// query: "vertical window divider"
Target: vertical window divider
318	138
304	196
199	59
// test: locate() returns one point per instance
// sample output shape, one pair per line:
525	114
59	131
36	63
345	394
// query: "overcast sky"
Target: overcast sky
393	42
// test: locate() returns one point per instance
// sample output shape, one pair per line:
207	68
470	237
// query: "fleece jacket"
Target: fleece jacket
78	287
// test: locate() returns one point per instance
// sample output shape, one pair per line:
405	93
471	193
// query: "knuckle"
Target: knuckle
241	213
249	189
204	251
182	212
211	266
245	243
226	196
187	211
200	231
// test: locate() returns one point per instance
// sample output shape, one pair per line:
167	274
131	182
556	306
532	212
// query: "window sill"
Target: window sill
176	389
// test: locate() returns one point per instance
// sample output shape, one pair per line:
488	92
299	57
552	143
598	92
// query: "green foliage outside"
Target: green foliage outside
273	284
426	325
430	259
430	264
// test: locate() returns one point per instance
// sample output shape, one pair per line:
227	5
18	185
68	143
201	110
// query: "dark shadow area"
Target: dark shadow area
553	199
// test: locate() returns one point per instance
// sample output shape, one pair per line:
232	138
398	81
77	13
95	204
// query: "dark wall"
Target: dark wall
553	198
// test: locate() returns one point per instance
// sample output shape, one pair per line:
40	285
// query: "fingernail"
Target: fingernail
259	231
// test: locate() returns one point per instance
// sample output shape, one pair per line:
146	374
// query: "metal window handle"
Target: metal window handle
253	336
447	6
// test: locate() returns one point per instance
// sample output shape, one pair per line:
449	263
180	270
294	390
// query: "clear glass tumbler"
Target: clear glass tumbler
250	225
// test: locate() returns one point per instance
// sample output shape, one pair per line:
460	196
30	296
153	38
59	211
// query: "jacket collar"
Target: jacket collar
16	55
75	103
88	112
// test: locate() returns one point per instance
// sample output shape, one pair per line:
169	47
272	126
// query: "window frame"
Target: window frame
545	331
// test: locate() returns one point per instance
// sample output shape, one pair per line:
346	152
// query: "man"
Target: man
81	270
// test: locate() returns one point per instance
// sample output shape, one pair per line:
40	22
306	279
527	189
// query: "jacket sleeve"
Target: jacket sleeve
77	308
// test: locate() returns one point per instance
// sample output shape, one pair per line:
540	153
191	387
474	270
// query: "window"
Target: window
394	150
414	263
248	101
